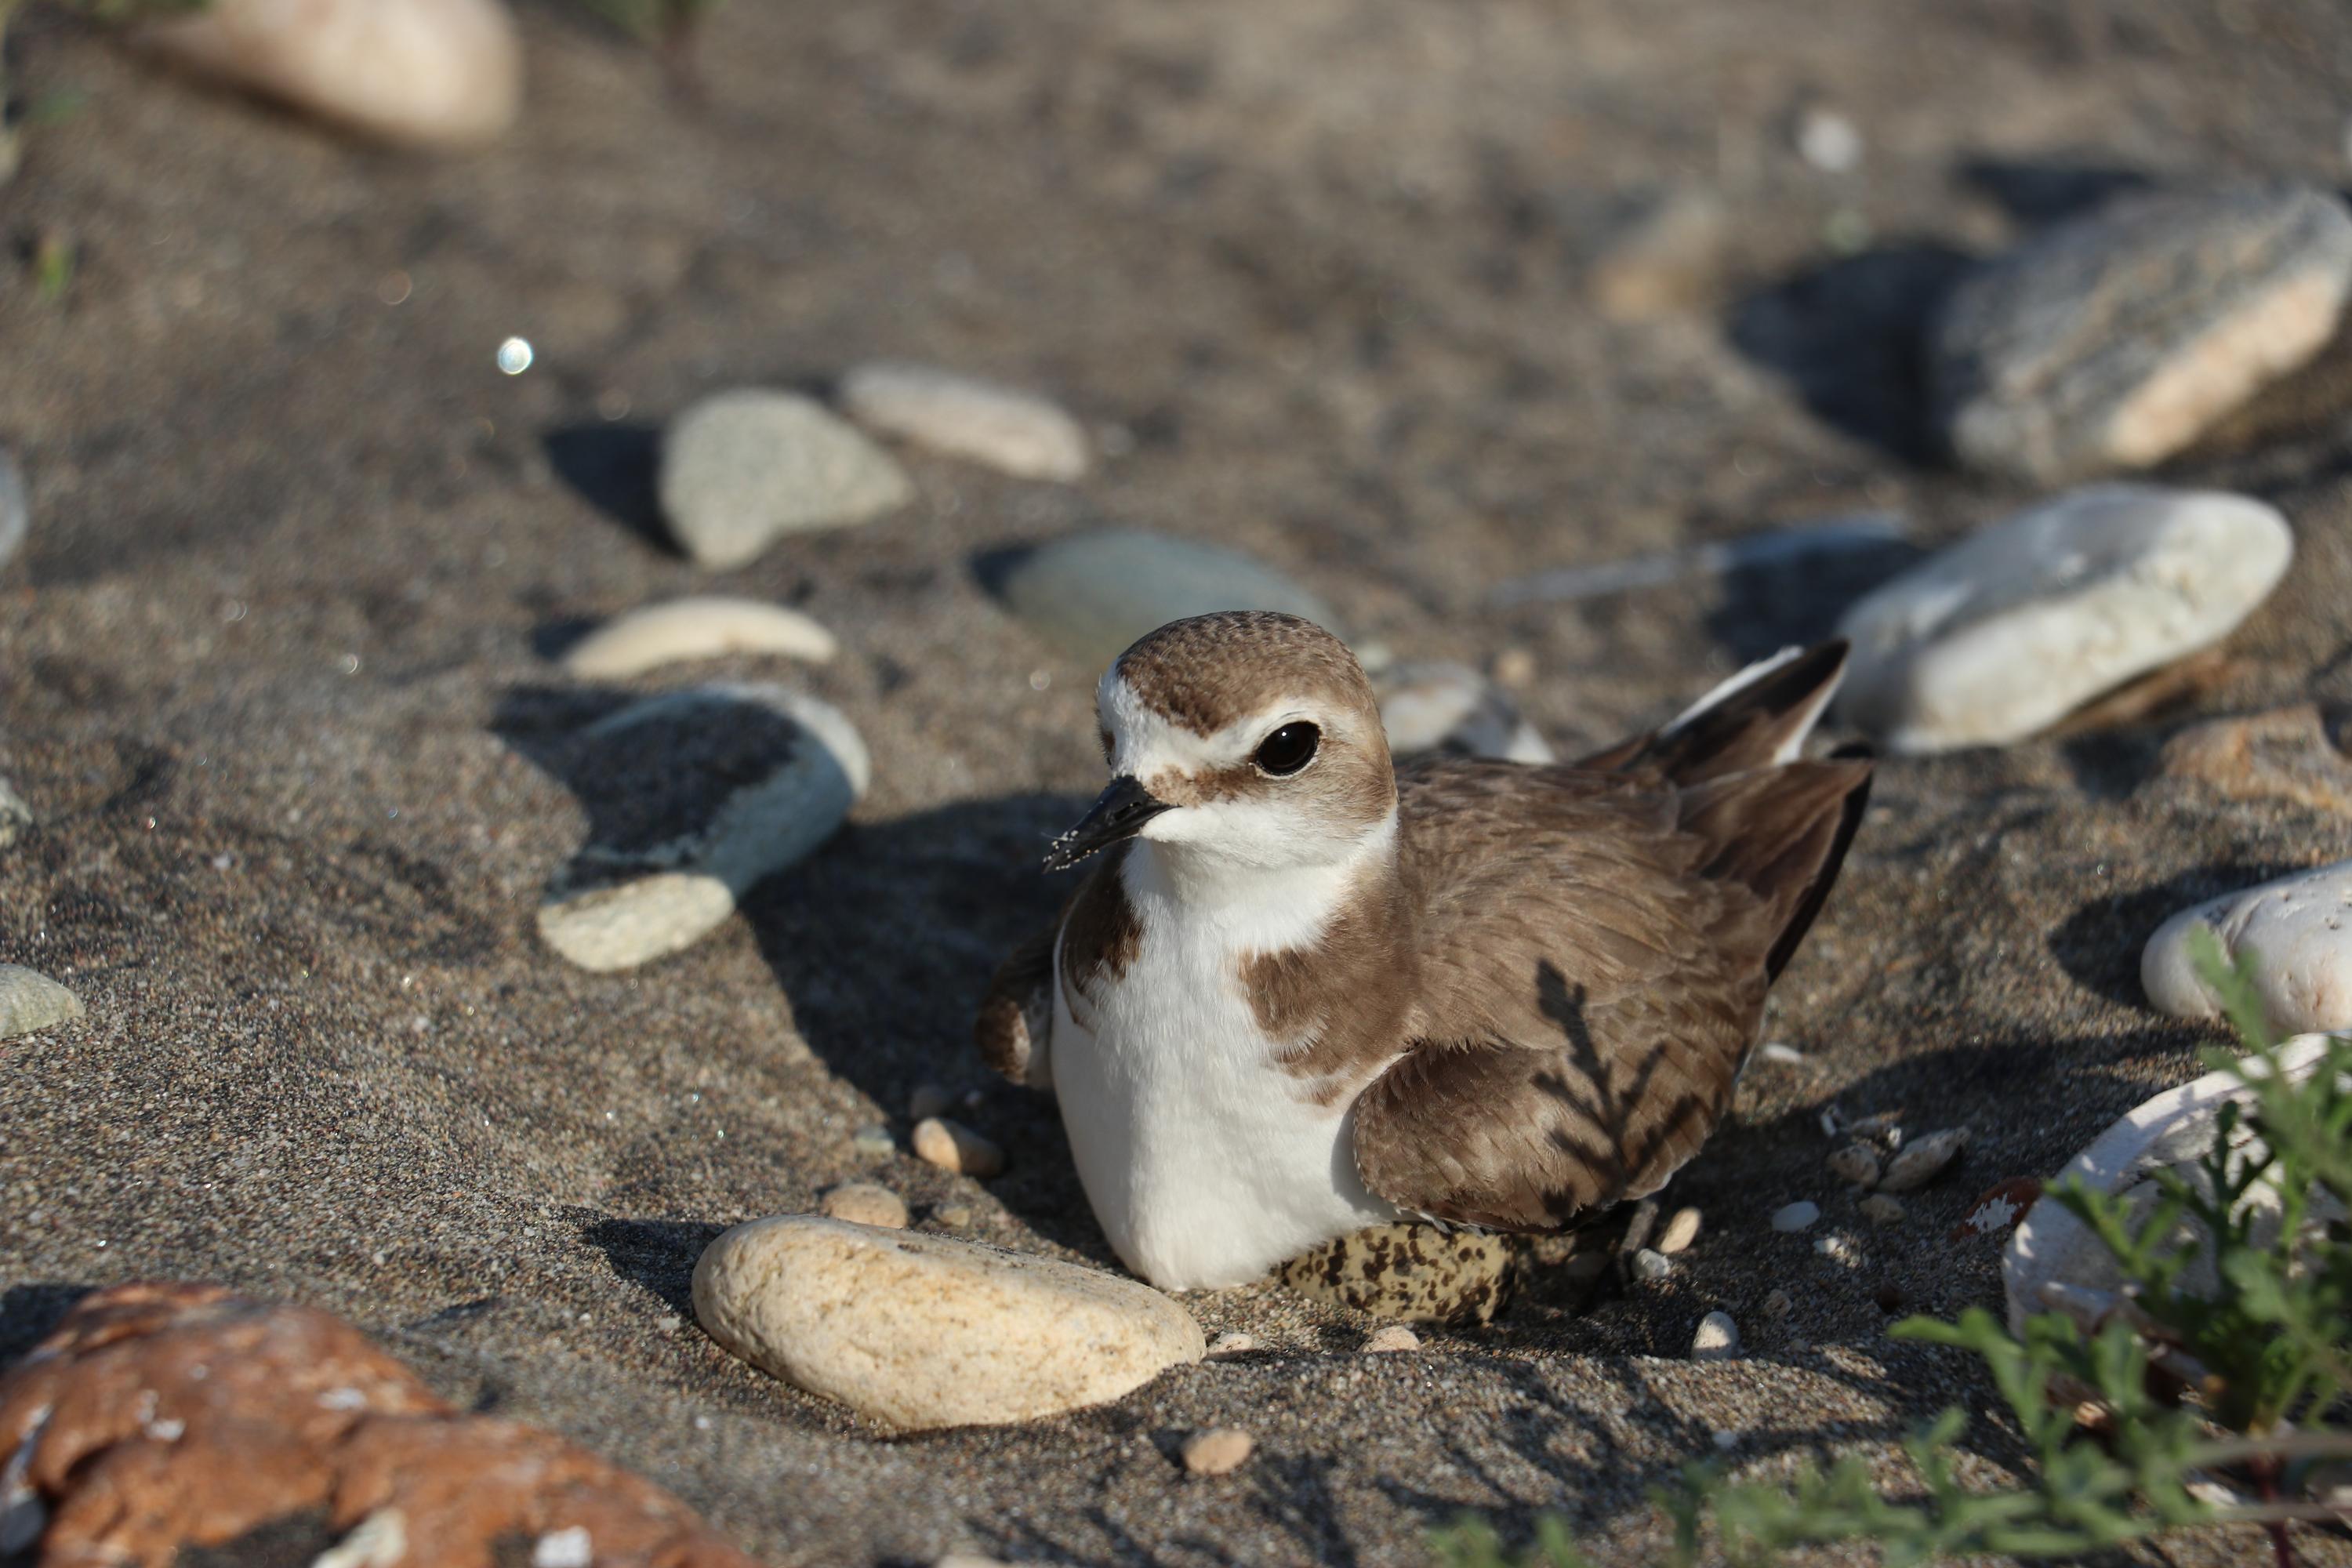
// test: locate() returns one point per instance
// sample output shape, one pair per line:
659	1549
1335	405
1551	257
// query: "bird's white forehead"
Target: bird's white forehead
1141	735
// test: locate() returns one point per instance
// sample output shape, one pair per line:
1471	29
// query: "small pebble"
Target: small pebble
742	468
1650	1266
1515	667
1233	1342
1884	1128
2005	633
928	1101
955	1217
952	1146
866	1203
1795	1217
707	626
2296	931
1680	1232
1726	1440
1218	1451
1011	431
31	1001
1783	1052
1880	1209
1924	1159
1777	1305
1394	1336
2285	755
1718	1337
1838	1249
874	1142
1829	141
1856	1165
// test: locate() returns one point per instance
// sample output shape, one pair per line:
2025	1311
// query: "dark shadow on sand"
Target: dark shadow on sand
2100	943
29	1313
1846	336
612	468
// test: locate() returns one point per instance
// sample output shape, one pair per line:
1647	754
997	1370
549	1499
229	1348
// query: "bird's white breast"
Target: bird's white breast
1206	1162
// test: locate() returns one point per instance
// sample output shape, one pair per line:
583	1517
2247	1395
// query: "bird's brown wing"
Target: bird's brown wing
1594	952
1016	1015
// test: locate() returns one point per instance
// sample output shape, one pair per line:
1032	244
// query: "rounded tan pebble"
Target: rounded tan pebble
952	1146
1233	1342
928	1101
1718	1337
1514	666
1880	1209
1218	1451
866	1203
928	1330
1395	1337
707	626
1680	1232
1857	1166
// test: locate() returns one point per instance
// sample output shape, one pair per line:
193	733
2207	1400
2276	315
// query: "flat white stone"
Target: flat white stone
740	470
431	73
926	1331
2299	930
31	1001
1016	431
1796	1216
662	899
2009	630
704	626
2174	1130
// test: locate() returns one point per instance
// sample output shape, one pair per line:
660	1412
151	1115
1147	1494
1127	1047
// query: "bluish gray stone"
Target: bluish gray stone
1091	595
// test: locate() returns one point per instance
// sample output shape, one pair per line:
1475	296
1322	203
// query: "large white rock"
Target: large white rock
705	626
426	73
2009	630
615	908
1016	431
926	1331
740	470
2296	929
2172	1132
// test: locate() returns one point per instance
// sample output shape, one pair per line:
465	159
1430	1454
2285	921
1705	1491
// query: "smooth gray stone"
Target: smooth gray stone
1091	595
2114	341
742	469
30	1001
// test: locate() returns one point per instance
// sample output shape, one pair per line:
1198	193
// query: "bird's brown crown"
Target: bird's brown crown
1202	673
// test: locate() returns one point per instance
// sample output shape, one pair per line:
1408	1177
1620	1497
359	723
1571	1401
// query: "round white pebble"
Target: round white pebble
1718	1337
1799	1216
2299	932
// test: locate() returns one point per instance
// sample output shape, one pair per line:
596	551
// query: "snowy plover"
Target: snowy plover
1305	990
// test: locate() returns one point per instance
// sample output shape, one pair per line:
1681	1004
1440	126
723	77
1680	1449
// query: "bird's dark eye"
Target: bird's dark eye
1288	749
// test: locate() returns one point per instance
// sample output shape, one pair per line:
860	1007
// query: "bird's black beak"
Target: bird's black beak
1119	812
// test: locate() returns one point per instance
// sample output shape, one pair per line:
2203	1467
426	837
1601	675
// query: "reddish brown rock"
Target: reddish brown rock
2285	755
162	1417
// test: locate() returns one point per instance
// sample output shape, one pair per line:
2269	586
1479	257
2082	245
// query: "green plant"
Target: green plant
2255	1377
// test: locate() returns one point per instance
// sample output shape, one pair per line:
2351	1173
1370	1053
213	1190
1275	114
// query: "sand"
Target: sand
280	656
